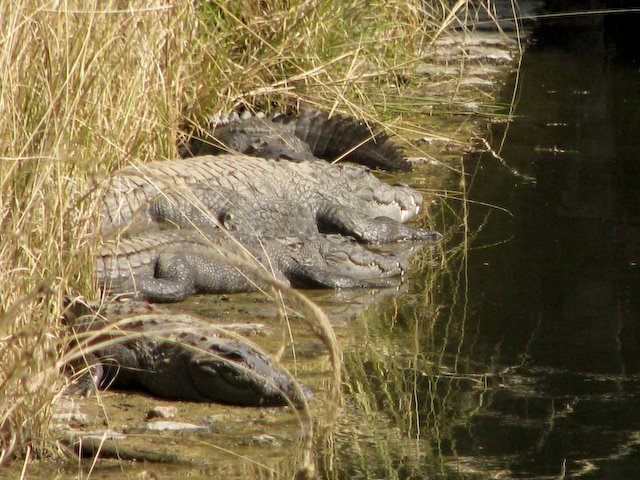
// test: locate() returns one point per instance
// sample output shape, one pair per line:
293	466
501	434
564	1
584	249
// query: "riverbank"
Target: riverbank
70	116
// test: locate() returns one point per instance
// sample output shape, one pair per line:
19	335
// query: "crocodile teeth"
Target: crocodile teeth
407	214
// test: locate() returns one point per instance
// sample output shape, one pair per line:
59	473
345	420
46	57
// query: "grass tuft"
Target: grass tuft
85	87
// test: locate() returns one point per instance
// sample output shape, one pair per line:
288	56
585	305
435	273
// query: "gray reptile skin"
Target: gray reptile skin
180	357
335	198
210	209
168	266
308	136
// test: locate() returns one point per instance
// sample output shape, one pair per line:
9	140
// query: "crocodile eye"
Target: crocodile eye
233	356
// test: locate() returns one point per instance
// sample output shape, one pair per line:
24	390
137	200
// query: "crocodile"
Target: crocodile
178	357
308	136
344	199
209	208
170	265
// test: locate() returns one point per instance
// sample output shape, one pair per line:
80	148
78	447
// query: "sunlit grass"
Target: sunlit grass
76	101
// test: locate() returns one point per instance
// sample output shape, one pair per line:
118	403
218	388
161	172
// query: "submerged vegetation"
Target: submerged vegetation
87	87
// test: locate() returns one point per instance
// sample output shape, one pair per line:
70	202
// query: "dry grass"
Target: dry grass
89	86
76	101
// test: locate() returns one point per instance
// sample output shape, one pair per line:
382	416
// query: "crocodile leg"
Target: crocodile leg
210	209
87	374
202	207
179	275
338	219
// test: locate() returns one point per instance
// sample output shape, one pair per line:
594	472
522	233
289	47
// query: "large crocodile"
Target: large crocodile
179	357
170	265
336	198
207	207
311	135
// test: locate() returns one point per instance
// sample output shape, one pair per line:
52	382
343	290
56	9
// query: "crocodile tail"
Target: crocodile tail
345	138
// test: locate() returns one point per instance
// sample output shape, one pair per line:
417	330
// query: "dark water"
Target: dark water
552	303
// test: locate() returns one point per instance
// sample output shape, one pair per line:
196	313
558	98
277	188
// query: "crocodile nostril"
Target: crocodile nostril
226	220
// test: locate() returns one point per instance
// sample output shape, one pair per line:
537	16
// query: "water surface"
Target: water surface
551	292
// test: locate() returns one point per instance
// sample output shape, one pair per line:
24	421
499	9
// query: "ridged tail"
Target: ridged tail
344	137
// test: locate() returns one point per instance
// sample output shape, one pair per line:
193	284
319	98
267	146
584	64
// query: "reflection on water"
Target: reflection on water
527	364
555	306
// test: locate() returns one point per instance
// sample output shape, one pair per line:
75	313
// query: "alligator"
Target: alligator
343	199
309	136
170	265
178	357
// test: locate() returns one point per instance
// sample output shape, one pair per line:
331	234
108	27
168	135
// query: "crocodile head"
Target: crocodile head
180	357
232	371
378	199
345	256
